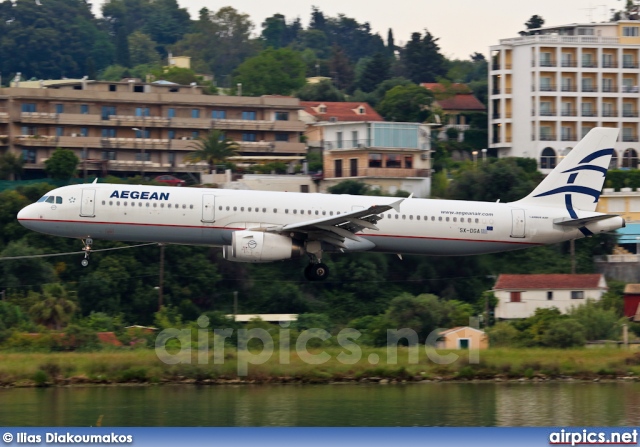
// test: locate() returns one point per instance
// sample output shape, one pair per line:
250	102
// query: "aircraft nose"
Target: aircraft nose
24	215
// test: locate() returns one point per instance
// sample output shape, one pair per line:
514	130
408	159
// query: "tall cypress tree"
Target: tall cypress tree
122	48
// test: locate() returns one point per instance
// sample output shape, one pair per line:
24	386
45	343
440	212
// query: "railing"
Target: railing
547	88
572	112
613	64
549	38
547	113
378	172
589	113
498	67
569	88
499	91
630	89
629	138
547	137
567	138
589	88
629	65
586	64
617	258
609	113
547	63
609	88
630	114
569	63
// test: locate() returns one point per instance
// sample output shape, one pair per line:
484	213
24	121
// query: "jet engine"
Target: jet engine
258	246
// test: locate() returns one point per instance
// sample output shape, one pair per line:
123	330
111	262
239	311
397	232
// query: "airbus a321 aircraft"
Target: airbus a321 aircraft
259	226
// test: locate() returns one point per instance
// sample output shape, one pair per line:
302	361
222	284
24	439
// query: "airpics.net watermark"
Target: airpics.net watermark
257	346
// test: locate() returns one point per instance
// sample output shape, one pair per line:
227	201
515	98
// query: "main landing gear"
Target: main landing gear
87	251
316	271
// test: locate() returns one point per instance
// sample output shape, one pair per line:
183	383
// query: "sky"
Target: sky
463	26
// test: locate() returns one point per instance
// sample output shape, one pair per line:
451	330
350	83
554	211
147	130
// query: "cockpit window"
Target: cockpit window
50	199
42	199
58	200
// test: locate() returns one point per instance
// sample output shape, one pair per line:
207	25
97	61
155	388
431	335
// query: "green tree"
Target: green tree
374	72
566	333
320	91
272	72
62	164
341	68
421	59
221	42
55	309
423	314
142	50
215	149
28	270
533	23
406	103
10	166
353	187
598	323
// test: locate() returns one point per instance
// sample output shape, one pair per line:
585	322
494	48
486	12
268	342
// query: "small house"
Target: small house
463	337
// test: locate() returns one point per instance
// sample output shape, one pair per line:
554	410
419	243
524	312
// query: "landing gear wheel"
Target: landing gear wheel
316	272
87	251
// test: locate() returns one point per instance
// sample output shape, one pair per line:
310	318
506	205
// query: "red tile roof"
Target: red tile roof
341	111
461	102
453	88
546	282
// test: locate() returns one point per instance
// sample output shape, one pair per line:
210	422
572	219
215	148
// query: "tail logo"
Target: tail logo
571	187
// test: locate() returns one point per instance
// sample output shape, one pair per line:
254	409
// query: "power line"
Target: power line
9	258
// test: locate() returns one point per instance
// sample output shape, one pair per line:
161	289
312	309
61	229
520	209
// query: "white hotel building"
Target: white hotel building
547	90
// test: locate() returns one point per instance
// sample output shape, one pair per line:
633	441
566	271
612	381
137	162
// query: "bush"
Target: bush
565	333
503	334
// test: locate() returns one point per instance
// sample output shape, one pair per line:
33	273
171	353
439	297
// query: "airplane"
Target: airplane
264	226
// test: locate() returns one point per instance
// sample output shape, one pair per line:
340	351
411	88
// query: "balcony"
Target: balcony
379	172
498	91
569	112
609	88
589	113
498	67
629	138
569	64
4	140
630	114
569	88
630	89
609	113
586	64
610	64
547	63
138	121
589	88
548	88
4	117
547	113
567	137
551	38
629	65
547	137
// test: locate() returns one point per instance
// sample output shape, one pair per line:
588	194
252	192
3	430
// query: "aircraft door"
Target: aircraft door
88	205
517	223
208	208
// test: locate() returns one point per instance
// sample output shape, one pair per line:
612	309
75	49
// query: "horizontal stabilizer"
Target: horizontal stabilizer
568	222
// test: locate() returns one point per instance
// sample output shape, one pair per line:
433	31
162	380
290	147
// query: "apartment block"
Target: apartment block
133	127
390	156
548	89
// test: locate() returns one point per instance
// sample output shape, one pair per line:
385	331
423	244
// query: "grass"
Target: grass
144	366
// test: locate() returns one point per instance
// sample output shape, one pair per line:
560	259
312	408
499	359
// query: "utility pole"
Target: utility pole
572	249
235	304
161	279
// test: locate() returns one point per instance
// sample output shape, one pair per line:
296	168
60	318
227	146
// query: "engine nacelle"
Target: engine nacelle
258	246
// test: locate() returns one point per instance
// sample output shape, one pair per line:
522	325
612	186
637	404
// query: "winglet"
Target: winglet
396	205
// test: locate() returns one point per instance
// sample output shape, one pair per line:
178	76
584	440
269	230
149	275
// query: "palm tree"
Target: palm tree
215	148
55	310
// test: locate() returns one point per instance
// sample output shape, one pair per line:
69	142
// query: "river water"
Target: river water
428	404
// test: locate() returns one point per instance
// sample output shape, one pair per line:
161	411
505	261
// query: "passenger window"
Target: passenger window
125	203
417	217
220	208
477	220
242	208
104	202
330	213
404	216
155	205
169	205
275	210
411	217
455	219
317	212
249	209
440	219
140	204
264	210
227	208
324	213
286	211
147	204
397	215
184	207
191	206
235	208
162	205
447	219
433	218
295	211
110	202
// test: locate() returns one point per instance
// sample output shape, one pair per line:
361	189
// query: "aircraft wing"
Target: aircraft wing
334	229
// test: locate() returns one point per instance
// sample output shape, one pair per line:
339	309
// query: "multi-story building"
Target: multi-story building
548	89
387	155
133	127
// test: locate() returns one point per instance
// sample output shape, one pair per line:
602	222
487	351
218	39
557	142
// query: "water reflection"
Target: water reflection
433	404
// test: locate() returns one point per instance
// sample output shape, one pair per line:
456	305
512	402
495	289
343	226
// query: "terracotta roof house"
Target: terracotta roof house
338	111
455	100
520	295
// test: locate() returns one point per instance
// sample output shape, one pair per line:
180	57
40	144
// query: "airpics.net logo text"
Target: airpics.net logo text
256	346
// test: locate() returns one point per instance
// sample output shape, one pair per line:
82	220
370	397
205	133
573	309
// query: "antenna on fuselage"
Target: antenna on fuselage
95	181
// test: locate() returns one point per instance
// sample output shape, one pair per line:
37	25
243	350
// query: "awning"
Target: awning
629	234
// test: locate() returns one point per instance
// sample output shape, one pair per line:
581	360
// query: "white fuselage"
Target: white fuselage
201	216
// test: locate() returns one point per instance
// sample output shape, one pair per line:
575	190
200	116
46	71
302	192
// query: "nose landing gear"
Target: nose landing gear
87	251
316	272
